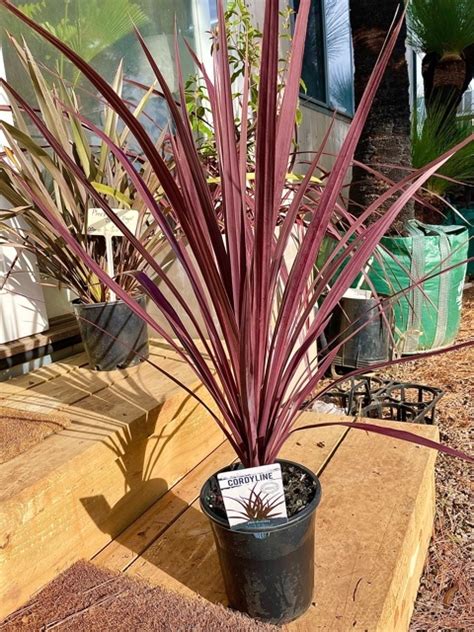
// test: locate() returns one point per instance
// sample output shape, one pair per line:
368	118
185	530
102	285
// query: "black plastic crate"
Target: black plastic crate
368	396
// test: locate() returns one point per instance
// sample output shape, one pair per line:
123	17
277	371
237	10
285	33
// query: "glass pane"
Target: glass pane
313	73
339	56
213	11
467	103
102	33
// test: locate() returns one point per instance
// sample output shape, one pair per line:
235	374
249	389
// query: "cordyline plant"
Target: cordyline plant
248	352
51	184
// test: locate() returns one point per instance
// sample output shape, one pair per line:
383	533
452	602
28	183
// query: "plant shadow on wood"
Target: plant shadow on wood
164	545
151	458
156	438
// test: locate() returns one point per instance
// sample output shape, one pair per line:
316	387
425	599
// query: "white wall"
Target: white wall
312	130
22	303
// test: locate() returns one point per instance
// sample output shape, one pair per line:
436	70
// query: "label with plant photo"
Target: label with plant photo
253	495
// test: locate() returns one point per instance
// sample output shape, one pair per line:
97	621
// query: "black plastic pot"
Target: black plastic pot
372	344
268	570
114	336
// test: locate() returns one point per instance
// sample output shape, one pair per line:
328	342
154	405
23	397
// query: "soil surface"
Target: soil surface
299	488
86	598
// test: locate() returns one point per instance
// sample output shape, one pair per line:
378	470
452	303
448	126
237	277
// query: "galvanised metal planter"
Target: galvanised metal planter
114	336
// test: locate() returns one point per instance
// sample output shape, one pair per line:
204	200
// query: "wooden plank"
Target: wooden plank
60	328
75	384
41	375
158	351
119	554
103	416
67	497
63	390
184	558
372	534
392	485
398	607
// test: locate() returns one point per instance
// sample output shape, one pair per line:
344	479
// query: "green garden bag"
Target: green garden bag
465	217
427	317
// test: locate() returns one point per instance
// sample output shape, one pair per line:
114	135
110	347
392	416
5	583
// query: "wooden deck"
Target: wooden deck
121	486
61	329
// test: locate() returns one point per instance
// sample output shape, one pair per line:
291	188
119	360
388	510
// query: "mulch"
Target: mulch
445	599
88	598
21	430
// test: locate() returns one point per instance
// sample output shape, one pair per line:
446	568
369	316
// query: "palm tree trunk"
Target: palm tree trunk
446	78
385	142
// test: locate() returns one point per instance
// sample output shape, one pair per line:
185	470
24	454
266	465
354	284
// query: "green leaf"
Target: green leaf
105	189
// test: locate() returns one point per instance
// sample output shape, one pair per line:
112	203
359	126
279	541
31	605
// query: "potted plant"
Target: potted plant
246	356
426	269
431	136
113	336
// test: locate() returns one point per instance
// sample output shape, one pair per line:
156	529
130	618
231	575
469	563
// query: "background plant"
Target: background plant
87	26
30	161
247	358
443	30
244	41
432	136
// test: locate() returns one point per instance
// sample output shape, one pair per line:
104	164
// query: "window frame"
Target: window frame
312	102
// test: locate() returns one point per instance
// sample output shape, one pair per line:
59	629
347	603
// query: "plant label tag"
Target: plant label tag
253	495
98	222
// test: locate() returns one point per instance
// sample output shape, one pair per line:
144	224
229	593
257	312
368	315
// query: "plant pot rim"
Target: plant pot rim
77	302
251	529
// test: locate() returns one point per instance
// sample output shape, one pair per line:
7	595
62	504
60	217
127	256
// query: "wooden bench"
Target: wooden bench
63	332
121	486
